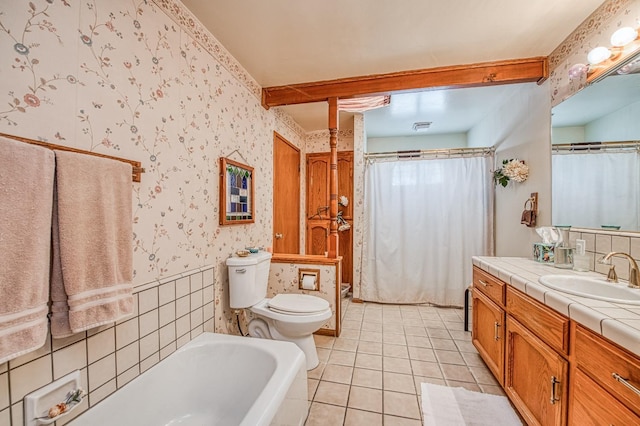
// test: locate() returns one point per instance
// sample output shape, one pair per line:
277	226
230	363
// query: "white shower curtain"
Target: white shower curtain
595	189
424	219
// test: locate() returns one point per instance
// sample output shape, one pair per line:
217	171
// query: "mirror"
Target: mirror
596	153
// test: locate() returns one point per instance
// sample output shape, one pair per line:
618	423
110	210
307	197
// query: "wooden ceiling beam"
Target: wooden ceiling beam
482	74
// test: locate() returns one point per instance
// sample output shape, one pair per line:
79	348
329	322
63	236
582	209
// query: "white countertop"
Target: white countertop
618	322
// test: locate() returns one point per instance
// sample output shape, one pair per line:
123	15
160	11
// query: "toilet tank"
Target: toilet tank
248	278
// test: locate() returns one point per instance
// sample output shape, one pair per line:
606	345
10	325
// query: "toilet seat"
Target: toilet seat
297	304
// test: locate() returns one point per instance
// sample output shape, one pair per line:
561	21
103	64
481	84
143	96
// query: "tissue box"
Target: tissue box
543	253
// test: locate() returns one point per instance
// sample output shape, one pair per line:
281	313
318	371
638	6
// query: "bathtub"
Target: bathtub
215	379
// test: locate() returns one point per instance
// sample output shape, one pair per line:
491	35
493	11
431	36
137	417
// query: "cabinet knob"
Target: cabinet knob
279	236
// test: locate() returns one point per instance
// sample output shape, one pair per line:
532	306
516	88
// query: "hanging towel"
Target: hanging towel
91	274
26	196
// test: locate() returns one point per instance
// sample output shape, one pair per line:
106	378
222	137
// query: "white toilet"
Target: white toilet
290	317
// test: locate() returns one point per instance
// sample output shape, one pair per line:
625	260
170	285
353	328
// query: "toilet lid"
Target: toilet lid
297	304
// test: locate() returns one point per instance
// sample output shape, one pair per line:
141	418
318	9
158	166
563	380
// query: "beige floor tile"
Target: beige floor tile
396	351
394	338
467	385
449	357
332	393
312	386
323	341
343	344
324	415
398	382
472	359
372	326
401	404
372	317
433	323
374	348
362	418
367	399
337	373
342	358
350	334
438	333
459	373
323	354
392	328
464	346
492	389
316	373
367	378
445	344
419	341
419	380
422	354
426	369
460	335
371	336
373	362
351	325
483	376
412	322
412	330
400	421
396	365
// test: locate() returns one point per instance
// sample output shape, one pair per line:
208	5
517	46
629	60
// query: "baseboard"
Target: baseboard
354	300
326	332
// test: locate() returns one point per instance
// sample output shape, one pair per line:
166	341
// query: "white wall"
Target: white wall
570	134
408	143
520	128
621	125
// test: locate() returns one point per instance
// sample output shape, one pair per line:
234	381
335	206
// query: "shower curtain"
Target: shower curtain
424	219
592	189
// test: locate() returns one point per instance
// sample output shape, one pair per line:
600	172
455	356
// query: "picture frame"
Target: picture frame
236	193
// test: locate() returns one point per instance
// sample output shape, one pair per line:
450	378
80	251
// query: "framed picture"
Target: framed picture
236	193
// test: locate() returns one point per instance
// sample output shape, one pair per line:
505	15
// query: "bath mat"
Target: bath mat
445	406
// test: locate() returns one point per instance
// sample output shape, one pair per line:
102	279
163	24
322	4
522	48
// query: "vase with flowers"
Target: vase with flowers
343	225
511	170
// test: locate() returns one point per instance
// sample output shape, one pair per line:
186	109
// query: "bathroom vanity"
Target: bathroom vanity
561	359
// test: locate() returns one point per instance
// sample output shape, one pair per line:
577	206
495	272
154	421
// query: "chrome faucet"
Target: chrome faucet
634	277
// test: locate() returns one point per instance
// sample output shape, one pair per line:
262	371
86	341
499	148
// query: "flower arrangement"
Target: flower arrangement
343	225
512	169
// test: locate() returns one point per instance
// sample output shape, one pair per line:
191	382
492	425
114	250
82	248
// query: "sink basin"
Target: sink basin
593	288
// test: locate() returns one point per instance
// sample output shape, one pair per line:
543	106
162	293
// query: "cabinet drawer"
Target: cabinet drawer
543	321
602	360
489	285
591	405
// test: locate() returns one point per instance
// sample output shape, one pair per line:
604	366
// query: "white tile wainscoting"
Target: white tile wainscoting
168	314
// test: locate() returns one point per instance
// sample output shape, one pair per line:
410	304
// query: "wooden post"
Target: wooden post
333	178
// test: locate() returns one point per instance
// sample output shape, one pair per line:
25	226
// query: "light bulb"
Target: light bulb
599	54
623	36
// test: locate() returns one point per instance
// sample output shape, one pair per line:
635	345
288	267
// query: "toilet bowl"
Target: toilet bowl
289	317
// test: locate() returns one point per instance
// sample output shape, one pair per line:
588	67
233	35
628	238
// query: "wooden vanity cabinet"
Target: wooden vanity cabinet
488	333
488	320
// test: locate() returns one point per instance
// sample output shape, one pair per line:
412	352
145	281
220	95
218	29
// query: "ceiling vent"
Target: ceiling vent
421	125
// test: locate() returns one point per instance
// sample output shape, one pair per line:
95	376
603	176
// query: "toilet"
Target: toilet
289	317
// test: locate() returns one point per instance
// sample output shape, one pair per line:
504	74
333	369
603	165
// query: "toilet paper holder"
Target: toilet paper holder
309	279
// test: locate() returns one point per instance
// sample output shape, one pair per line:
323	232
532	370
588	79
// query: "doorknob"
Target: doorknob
278	236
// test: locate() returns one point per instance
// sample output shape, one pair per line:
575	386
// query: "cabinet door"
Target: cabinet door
591	405
345	250
488	333
536	377
318	186
317	236
345	181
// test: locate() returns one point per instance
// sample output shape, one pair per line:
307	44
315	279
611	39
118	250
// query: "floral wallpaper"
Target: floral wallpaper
147	82
595	31
359	143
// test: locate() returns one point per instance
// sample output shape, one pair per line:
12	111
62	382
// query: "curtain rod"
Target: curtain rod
596	146
136	166
431	153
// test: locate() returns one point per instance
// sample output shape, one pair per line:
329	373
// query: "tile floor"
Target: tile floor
371	374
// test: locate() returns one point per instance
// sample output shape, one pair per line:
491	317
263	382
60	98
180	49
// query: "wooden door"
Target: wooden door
318	166
488	333
317	237
535	377
286	196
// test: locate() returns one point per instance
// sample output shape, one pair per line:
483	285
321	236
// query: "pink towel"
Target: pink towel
91	275
26	196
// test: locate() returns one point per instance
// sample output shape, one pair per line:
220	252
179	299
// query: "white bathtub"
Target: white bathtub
215	379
